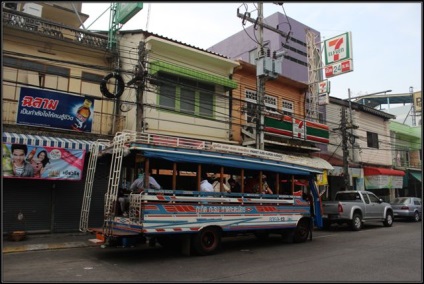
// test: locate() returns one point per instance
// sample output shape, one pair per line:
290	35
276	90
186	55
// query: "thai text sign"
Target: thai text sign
55	109
339	68
22	161
383	181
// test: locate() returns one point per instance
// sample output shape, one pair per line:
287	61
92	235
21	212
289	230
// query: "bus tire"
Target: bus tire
207	241
302	231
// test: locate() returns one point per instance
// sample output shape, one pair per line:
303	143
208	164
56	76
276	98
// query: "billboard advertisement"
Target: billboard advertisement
54	109
39	162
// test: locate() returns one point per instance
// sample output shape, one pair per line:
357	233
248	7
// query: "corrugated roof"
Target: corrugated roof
173	40
362	107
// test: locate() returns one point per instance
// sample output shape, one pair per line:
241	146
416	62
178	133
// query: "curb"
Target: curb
35	247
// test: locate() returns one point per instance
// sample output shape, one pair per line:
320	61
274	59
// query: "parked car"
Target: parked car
407	207
356	207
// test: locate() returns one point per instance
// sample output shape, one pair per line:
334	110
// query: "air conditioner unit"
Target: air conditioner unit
32	9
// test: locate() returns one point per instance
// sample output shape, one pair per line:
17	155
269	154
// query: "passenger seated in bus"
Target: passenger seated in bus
205	185
217	184
136	187
265	187
234	185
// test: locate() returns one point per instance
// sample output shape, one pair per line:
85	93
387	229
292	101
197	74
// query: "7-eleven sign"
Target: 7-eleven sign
338	48
324	87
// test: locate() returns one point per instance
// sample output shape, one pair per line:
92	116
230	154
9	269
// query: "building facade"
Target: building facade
150	83
51	104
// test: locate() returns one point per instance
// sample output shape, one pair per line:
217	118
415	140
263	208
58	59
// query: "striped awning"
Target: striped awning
46	141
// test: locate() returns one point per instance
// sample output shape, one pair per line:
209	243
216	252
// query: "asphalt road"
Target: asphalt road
374	254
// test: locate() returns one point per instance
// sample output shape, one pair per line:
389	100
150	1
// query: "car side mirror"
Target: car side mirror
381	200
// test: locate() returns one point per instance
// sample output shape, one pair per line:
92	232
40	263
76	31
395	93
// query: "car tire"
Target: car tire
388	222
356	223
416	217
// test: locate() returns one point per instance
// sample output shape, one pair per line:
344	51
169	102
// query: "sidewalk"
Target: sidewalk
47	242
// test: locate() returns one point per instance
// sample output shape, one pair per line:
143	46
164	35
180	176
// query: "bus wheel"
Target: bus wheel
207	241
301	232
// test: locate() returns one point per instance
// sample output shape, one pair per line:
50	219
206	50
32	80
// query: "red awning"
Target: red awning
382	171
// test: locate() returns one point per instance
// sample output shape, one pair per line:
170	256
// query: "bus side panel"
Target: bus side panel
174	218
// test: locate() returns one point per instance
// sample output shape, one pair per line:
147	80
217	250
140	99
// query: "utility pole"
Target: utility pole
345	150
260	85
264	67
139	81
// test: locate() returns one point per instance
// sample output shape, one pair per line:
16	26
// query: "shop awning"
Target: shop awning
46	141
417	175
369	171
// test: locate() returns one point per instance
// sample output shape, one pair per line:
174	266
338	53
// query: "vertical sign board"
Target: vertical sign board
55	109
125	11
338	55
324	87
417	101
323	91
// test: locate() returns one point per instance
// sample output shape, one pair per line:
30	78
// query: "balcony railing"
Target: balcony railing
103	123
26	22
403	163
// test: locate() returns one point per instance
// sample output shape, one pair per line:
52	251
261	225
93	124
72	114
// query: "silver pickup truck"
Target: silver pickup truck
356	207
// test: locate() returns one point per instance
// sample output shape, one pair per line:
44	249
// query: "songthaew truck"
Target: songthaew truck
180	214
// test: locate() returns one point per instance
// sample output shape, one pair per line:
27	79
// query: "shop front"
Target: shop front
383	182
412	184
43	183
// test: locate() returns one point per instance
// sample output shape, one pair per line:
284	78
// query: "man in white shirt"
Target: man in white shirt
138	184
205	185
136	187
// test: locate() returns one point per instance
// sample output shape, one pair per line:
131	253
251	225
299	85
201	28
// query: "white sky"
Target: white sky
386	37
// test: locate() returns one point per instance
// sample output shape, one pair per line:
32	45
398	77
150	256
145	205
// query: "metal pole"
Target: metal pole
351	126
345	150
140	88
260	81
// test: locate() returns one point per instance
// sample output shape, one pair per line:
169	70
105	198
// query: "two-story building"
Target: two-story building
360	141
